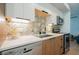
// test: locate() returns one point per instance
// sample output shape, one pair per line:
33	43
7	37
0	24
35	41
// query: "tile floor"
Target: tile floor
74	48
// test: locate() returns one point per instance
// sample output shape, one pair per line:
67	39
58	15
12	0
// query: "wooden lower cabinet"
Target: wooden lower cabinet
58	45
53	46
48	47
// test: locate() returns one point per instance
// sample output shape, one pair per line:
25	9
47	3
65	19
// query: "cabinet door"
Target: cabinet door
53	46
61	50
9	9
44	47
28	12
18	10
58	45
48	47
14	10
37	49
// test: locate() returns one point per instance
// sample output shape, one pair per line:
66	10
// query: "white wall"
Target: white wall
66	25
20	25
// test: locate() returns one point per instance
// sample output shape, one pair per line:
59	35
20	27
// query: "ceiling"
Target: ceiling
61	6
74	8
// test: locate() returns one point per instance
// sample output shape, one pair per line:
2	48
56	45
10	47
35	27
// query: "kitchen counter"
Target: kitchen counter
24	40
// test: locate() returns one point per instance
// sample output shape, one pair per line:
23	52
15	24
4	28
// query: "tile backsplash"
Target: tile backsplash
26	27
20	27
39	25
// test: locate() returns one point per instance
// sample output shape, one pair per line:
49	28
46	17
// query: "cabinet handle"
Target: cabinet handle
0	53
27	51
24	48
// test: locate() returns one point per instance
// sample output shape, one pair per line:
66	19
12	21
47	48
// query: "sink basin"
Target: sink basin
44	35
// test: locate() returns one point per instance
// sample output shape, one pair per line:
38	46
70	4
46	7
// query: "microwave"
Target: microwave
60	21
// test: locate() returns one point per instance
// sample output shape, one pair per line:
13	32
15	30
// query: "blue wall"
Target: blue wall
74	25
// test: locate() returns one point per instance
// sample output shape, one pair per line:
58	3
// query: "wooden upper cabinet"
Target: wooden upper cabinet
41	13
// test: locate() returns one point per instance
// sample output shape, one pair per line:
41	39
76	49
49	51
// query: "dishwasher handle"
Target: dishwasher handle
25	51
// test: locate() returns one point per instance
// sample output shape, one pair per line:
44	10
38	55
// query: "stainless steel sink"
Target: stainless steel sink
44	35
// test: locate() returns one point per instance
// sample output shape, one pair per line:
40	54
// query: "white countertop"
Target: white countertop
24	40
